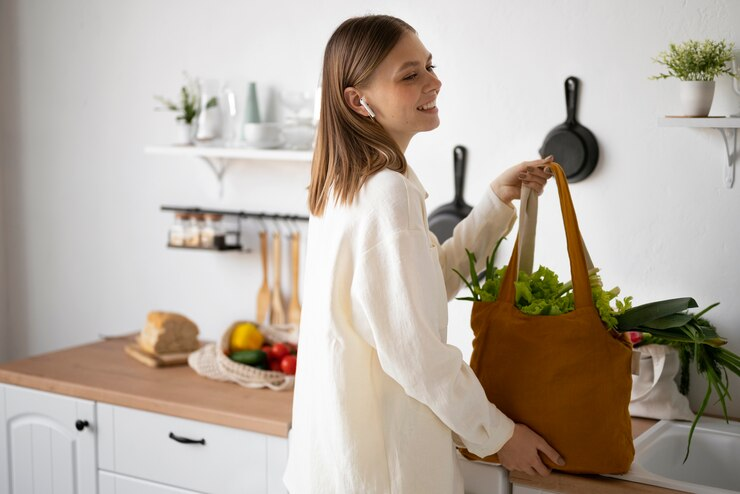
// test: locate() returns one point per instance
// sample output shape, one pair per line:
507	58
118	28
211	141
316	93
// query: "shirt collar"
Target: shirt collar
411	176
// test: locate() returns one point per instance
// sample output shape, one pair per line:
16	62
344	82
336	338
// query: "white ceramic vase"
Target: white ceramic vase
183	132
696	97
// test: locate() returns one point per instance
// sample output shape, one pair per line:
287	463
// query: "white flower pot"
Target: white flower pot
183	133
696	97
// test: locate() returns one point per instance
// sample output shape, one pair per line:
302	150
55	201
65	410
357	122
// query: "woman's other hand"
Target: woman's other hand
532	174
521	452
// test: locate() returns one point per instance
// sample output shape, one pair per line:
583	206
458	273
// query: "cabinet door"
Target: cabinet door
41	449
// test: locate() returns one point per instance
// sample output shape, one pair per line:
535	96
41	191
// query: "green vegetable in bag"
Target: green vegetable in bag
665	322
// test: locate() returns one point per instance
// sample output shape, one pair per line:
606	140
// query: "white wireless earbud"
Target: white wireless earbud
367	107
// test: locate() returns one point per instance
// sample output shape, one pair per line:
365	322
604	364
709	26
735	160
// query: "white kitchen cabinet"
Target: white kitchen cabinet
484	478
47	443
122	450
188	454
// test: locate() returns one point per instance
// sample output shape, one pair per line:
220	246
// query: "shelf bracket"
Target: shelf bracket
219	167
732	154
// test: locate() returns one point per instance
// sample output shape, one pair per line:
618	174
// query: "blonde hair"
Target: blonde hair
350	148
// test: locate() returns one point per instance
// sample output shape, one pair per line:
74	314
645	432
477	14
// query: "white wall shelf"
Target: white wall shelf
727	126
219	158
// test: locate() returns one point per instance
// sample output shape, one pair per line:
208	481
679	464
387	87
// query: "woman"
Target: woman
379	395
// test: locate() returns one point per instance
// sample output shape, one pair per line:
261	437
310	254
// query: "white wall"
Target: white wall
85	239
7	133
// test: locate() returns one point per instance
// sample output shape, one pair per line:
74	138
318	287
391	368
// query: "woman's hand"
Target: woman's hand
532	174
520	452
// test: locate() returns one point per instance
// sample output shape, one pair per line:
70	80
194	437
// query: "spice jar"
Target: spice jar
211	235
177	230
192	231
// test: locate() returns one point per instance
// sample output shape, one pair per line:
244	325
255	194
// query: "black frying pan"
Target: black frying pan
443	220
572	144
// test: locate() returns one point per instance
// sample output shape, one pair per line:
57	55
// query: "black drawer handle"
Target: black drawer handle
186	440
81	424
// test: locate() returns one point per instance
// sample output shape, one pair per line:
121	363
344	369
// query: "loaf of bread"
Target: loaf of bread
167	332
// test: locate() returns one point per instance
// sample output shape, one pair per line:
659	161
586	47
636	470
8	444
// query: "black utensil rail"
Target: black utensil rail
239	215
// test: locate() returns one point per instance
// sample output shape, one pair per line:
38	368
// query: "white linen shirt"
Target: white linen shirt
378	392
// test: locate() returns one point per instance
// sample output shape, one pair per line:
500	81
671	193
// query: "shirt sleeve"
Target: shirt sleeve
489	220
401	306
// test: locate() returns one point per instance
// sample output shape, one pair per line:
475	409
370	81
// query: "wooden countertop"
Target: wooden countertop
591	484
103	372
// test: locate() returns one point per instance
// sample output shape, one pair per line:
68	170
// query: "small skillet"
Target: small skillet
443	220
572	144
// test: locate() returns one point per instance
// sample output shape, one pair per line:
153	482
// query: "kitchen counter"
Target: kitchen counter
102	372
591	484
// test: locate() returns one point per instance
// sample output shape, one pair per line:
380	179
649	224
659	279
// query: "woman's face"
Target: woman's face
403	91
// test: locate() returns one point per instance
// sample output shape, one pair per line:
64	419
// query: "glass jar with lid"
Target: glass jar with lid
192	231
211	234
177	230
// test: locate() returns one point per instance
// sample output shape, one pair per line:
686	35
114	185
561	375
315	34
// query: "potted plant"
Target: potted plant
188	108
696	64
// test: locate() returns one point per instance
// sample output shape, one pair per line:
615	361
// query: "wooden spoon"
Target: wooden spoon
277	314
263	295
294	308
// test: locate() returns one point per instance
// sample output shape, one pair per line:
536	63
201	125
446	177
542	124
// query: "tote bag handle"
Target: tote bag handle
576	248
528	231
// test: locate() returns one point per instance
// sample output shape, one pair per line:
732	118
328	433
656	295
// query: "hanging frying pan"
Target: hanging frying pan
443	220
572	144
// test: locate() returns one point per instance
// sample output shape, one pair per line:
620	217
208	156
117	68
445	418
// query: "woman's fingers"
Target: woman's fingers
540	467
550	452
541	162
538	188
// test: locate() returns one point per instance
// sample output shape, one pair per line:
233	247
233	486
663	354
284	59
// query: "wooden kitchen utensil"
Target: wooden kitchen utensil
263	295
277	313
294	308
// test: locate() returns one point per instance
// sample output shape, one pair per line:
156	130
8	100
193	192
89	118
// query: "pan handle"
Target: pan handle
571	99
459	155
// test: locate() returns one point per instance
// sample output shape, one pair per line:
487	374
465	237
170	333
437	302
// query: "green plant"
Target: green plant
189	105
696	61
668	322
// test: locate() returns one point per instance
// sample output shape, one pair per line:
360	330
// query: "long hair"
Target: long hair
350	148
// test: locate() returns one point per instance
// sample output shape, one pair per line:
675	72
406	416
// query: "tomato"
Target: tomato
288	364
267	349
275	365
279	350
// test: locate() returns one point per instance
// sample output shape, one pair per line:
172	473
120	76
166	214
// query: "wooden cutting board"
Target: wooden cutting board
155	360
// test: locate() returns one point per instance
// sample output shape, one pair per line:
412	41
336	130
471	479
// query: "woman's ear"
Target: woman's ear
352	96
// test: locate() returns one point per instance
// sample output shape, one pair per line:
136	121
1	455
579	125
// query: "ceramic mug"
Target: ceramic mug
263	134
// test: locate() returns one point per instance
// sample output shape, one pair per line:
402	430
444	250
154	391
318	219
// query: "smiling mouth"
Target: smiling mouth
429	106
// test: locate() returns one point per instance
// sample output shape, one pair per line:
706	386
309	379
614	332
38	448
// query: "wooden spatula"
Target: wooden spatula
277	313
294	308
263	295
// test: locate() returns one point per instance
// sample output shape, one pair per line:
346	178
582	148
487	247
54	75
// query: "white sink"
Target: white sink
713	467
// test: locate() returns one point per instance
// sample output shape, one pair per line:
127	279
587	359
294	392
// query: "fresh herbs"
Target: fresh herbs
696	61
666	322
